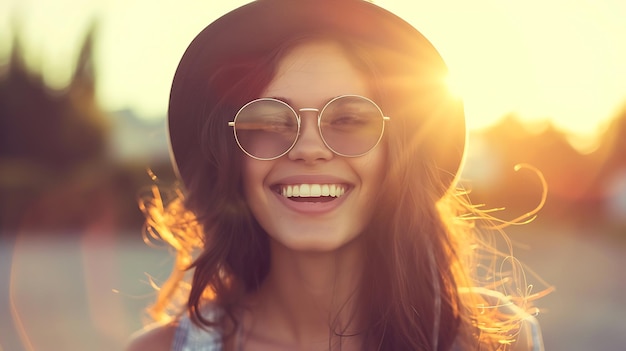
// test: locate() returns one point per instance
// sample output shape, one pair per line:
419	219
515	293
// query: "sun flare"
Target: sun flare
539	59
554	59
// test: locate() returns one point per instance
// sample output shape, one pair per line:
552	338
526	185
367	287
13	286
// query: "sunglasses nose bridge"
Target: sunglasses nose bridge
309	109
312	110
310	141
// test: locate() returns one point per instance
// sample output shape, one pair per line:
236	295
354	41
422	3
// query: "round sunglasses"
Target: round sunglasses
268	128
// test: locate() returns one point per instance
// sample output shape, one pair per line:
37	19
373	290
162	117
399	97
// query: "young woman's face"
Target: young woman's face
308	77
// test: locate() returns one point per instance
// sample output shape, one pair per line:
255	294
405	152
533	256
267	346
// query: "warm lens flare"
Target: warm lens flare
555	59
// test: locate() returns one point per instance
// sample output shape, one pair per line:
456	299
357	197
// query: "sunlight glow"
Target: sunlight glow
455	86
537	59
556	59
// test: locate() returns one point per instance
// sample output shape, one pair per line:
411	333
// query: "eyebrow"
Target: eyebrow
290	102
283	99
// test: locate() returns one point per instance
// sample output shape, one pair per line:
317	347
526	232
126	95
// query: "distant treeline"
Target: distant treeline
586	188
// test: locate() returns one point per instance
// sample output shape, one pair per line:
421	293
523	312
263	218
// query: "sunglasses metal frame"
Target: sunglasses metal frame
299	119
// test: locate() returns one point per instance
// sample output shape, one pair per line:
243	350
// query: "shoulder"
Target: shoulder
156	337
181	334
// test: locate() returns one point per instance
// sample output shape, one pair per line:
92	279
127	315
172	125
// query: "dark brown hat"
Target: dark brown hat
255	29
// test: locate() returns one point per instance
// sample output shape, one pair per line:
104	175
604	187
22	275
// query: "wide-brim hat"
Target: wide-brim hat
416	68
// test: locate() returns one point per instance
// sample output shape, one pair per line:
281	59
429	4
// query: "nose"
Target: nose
309	147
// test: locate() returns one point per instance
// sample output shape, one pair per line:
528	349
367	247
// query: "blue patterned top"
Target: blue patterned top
190	337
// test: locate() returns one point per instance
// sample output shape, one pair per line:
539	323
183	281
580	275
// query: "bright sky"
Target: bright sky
562	59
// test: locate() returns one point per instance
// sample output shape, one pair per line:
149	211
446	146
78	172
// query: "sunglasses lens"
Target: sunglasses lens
266	129
351	125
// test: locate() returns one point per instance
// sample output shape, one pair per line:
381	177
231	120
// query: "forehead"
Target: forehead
313	73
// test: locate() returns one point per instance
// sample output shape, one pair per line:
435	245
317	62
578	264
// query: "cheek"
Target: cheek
372	169
251	176
377	163
254	175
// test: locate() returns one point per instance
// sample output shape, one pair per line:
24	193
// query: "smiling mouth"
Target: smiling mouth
312	192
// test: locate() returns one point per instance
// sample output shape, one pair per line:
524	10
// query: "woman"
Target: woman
318	149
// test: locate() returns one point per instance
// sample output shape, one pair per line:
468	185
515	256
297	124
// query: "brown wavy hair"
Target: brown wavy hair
422	244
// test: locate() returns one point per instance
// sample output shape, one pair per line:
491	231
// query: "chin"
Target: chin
316	244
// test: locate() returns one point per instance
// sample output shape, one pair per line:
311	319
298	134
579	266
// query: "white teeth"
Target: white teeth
316	190
305	190
325	190
312	190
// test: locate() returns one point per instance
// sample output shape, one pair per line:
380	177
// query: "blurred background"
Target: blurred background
83	97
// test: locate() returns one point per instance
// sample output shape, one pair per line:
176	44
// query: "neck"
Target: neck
309	296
